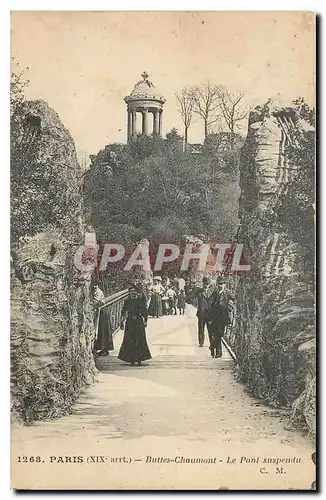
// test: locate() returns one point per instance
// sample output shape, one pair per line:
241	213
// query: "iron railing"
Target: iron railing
114	304
229	338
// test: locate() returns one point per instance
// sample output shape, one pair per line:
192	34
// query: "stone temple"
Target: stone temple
147	101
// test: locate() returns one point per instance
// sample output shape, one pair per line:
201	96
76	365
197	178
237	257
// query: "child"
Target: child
165	302
181	302
172	296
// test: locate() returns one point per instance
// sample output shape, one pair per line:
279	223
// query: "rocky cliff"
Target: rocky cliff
51	318
274	335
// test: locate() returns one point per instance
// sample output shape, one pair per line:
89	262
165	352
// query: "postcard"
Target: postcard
163	251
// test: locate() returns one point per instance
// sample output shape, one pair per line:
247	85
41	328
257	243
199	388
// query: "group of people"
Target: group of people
166	297
159	299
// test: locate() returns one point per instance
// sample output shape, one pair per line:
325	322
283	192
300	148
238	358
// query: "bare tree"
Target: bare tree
232	110
206	103
185	107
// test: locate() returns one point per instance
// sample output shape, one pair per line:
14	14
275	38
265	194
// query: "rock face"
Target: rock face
52	325
274	336
46	179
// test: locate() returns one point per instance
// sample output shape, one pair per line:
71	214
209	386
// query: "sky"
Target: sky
84	63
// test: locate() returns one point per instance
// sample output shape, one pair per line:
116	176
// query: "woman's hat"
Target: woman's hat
157	278
134	286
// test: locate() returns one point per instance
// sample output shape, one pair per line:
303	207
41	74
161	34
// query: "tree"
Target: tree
205	99
173	135
224	148
232	110
173	141
305	112
185	107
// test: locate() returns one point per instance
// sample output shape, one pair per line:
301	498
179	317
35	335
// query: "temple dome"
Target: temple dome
145	90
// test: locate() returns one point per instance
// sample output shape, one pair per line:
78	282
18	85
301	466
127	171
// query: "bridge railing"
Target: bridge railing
229	338
114	304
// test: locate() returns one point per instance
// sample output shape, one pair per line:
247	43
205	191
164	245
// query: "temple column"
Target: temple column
160	123
129	127
133	122
155	122
145	122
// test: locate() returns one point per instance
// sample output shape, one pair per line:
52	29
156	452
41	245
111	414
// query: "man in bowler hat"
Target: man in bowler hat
203	308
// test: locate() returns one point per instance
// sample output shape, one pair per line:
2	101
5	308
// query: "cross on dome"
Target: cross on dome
145	75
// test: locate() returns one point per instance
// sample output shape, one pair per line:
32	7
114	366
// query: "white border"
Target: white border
180	5
66	5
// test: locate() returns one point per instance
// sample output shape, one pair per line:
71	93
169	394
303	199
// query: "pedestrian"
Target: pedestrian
218	319
175	282
147	284
181	284
165	280
104	340
181	301
156	293
172	298
134	348
203	306
165	300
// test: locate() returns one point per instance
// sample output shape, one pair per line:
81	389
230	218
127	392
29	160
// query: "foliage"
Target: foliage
173	142
305	111
163	192
45	175
18	83
225	148
297	210
173	136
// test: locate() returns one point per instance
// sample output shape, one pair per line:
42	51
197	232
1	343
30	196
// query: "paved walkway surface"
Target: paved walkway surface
179	421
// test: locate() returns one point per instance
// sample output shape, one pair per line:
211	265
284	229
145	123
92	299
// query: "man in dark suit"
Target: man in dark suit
203	307
218	318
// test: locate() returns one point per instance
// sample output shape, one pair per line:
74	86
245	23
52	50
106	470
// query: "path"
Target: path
182	404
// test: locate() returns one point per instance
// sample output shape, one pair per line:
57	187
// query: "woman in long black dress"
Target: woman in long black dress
134	348
104	341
